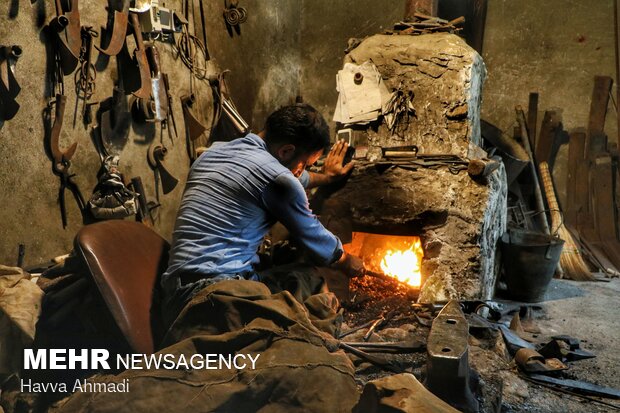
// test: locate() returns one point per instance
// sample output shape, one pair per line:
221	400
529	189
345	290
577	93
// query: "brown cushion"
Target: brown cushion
125	259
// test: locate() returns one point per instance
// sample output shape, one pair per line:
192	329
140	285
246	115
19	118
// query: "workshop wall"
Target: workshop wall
554	48
327	27
29	190
284	49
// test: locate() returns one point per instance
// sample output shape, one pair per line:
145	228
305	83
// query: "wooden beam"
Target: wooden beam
428	7
548	129
478	12
532	118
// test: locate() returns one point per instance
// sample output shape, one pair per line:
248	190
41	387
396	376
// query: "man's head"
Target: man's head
296	135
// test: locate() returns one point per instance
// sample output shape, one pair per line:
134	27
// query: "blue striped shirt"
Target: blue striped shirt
235	192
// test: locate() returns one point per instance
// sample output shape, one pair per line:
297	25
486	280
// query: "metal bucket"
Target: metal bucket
513	155
529	261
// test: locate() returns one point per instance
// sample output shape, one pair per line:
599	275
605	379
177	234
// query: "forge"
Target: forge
390	206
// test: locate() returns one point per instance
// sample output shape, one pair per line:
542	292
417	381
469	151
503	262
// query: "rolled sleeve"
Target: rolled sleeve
286	200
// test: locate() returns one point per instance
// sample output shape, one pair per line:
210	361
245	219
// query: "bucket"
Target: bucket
529	260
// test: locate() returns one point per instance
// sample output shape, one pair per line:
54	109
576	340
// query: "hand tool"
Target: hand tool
67	26
410	346
156	156
144	212
170	116
155	108
87	74
9	88
119	31
144	91
376	360
61	161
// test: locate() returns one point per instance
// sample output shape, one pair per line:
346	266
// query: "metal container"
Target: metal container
529	261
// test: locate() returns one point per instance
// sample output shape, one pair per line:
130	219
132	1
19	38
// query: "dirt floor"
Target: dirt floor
587	311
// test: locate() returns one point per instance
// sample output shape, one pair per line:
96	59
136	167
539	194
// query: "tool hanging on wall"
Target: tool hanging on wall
9	88
155	157
111	199
144	90
234	15
87	74
146	208
193	128
231	124
155	108
119	31
61	159
202	23
170	118
192	51
67	26
114	121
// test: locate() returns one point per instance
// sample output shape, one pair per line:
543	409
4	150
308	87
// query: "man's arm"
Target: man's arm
333	170
286	200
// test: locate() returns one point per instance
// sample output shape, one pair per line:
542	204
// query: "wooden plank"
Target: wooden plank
597	140
603	202
595	255
617	55
612	251
532	119
577	142
548	130
585	221
604	207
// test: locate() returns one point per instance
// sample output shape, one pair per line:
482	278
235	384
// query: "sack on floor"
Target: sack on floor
299	368
20	306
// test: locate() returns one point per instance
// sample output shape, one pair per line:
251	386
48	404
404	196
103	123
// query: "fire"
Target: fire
404	265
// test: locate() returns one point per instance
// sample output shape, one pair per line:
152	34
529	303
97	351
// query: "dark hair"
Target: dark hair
299	124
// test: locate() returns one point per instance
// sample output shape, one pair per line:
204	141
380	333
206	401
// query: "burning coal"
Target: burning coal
404	265
399	257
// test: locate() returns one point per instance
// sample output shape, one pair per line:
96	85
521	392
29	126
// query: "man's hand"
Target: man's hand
333	163
351	265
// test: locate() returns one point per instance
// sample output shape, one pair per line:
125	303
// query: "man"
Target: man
237	190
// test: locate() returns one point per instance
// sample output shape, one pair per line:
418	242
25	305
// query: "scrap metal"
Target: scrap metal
425	24
579	386
531	361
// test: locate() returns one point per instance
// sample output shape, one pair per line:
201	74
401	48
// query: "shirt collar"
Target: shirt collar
257	139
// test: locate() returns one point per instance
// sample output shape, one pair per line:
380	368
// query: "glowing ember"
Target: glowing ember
404	265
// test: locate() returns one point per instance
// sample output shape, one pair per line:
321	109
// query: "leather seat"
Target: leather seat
126	260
